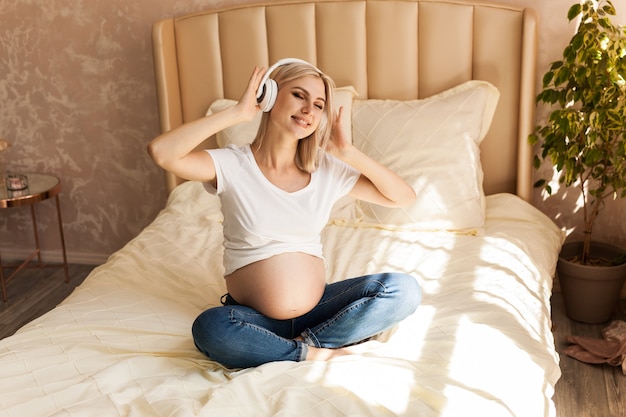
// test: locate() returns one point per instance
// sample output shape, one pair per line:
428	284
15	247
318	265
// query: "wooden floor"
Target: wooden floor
35	291
583	391
586	390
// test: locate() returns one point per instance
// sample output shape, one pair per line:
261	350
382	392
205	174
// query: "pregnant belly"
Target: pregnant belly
282	287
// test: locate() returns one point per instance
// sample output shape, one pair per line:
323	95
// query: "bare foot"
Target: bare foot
324	354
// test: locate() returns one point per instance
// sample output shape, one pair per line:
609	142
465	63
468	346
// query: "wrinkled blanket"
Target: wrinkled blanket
611	349
121	345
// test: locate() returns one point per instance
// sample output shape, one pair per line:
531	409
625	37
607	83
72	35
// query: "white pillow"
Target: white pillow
244	133
433	144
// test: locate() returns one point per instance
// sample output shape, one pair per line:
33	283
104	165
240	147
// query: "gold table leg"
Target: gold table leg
65	267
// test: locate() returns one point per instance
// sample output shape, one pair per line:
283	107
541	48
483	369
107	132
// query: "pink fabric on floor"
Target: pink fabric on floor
611	349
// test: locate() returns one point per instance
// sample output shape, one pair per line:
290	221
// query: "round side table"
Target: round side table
40	187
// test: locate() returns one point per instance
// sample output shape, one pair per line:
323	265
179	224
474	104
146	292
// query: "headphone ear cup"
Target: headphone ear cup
269	96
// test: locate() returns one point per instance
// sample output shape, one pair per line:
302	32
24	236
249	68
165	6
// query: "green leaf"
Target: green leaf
539	183
579	40
574	11
609	9
593	156
569	54
556	65
547	78
605	23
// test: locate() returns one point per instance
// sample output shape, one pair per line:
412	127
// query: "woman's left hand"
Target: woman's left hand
338	140
377	183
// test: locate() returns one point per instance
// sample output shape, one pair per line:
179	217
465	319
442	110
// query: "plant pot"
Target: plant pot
590	293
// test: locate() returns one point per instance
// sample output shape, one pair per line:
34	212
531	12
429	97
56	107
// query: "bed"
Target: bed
443	92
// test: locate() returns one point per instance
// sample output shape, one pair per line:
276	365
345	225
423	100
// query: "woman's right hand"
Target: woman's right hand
247	104
176	150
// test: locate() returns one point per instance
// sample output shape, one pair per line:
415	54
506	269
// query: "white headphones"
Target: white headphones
268	89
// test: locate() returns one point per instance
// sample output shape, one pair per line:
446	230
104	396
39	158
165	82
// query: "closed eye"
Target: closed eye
303	96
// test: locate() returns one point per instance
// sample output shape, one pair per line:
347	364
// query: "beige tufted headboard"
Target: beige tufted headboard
402	49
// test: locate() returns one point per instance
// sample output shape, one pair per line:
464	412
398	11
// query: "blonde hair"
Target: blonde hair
308	148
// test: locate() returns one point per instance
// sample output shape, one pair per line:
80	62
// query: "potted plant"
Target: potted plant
584	137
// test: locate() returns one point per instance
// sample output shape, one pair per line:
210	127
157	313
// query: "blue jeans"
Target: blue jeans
350	311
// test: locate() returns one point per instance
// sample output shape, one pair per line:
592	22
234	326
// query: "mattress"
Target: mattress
121	345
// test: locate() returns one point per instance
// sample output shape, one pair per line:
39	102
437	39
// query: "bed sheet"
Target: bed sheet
121	343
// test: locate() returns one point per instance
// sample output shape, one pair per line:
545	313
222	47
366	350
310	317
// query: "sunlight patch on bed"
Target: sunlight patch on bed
473	372
385	383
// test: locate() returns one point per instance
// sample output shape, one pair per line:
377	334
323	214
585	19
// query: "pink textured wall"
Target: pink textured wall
77	99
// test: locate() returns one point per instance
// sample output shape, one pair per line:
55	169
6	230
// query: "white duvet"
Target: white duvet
479	345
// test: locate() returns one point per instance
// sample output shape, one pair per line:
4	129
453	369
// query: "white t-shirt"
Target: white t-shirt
262	220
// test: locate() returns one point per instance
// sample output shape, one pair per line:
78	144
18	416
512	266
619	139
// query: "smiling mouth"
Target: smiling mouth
302	122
